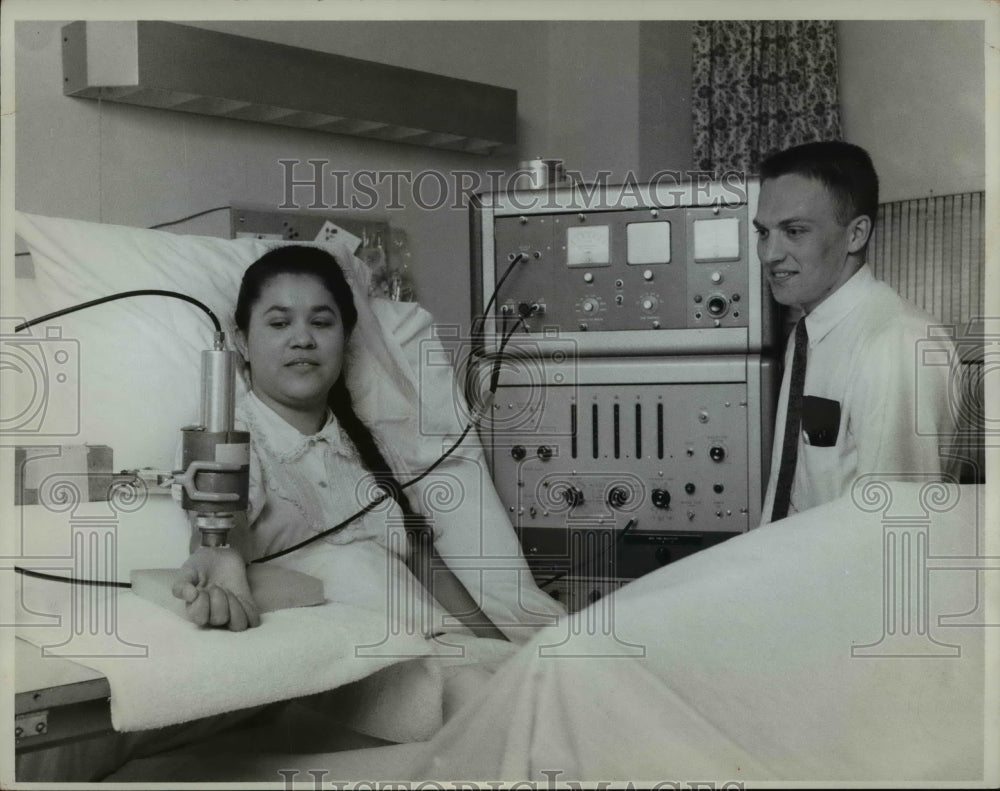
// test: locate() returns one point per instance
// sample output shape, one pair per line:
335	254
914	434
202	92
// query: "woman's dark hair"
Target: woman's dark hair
318	263
296	260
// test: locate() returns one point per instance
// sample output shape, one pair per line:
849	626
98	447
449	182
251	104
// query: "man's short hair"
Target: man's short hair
844	169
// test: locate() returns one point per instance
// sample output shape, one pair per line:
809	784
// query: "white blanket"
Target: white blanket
163	669
830	646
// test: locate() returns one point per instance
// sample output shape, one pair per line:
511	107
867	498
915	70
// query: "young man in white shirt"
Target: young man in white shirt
869	404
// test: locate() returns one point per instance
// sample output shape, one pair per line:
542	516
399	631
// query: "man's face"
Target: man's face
805	251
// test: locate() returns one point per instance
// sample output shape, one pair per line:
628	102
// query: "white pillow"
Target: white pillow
126	373
138	358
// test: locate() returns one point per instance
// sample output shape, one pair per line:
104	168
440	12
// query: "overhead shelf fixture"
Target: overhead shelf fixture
179	67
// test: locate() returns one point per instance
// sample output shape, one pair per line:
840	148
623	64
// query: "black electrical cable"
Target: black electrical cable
477	330
189	217
510	268
469	426
381	498
83	305
166	224
72	580
631	523
339	526
323	534
122	295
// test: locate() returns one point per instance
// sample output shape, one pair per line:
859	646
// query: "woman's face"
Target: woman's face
295	346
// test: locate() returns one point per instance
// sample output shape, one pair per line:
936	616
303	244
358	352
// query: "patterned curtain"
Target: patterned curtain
760	87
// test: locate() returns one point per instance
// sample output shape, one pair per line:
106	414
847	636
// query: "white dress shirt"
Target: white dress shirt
884	362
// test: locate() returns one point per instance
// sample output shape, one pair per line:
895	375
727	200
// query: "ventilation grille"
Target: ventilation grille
933	252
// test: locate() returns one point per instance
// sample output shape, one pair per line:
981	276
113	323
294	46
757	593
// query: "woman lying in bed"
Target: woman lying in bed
311	458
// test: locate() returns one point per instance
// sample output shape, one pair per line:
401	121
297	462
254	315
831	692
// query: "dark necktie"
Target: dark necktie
793	422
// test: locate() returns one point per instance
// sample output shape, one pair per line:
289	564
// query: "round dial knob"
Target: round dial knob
661	498
717	305
573	496
618	496
716	277
517	452
588	277
717	453
544	452
589	306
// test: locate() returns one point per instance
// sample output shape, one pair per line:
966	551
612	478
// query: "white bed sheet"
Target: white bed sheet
732	665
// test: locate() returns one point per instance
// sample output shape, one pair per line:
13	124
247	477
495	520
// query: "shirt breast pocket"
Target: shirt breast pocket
820	421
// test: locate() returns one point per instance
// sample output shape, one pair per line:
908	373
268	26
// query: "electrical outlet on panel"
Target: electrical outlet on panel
251	235
331	232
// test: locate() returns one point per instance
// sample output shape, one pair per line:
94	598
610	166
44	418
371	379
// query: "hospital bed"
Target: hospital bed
56	700
847	643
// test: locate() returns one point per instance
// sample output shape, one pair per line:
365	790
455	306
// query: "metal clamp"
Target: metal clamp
151	480
186	479
30	725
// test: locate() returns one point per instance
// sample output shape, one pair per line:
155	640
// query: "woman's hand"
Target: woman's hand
213	584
